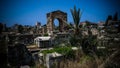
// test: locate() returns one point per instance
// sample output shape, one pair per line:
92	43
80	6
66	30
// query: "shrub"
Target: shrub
66	51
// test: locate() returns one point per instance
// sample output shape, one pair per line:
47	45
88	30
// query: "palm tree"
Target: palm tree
87	43
76	14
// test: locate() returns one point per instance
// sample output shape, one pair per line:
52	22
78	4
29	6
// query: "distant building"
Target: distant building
44	29
38	28
38	25
101	24
15	27
83	24
114	26
113	23
88	24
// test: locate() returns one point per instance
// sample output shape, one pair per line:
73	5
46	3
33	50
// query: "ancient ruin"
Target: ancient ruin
60	16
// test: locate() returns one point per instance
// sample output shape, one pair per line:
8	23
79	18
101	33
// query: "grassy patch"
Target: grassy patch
64	50
48	51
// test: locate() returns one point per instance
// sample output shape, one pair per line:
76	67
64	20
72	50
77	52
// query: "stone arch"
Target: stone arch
60	16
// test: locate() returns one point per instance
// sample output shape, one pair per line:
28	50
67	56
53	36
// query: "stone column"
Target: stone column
48	63
49	25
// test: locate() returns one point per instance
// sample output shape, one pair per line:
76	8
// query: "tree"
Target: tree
20	28
76	14
115	17
108	18
1	27
88	43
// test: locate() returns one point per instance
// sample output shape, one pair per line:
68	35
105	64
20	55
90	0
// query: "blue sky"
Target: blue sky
28	12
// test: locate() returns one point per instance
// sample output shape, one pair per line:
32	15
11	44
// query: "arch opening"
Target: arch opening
56	24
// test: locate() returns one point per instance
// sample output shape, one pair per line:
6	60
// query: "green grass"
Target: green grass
64	50
48	51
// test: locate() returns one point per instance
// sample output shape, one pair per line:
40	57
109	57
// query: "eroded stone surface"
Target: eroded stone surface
60	16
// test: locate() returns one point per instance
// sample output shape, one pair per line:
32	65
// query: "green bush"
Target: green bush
48	51
66	51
